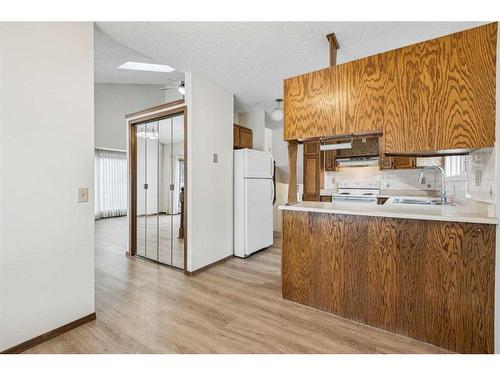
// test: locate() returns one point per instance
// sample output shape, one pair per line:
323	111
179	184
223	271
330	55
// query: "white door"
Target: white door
259	214
258	164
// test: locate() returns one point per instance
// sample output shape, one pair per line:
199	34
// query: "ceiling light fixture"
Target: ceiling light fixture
132	65
277	113
179	85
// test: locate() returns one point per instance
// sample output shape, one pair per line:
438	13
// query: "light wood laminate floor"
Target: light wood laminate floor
163	246
235	307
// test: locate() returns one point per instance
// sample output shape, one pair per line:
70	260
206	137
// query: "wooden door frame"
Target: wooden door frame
145	116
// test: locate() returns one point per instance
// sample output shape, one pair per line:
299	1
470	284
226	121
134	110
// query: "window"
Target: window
454	165
110	183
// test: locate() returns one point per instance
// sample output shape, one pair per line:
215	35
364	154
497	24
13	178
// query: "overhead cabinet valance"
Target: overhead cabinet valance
434	95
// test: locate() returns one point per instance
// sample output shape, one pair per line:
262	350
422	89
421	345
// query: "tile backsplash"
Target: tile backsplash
476	180
402	179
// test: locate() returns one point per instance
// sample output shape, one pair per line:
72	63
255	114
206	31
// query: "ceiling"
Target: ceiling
249	59
108	54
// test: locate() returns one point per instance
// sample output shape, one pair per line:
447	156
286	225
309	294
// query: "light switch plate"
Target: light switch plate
83	195
216	158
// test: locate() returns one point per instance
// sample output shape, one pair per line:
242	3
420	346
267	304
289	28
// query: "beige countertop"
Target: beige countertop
473	212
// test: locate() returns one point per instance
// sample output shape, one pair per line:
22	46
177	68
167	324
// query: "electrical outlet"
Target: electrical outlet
83	195
216	158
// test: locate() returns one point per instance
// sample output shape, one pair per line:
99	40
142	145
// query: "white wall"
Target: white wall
268	140
113	102
171	95
255	120
209	184
46	154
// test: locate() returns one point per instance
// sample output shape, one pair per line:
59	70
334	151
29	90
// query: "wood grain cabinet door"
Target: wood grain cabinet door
359	86
246	137
311	105
236	136
440	94
403	162
329	157
311	171
311	177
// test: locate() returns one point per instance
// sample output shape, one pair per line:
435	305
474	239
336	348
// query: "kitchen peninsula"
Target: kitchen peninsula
423	271
430	277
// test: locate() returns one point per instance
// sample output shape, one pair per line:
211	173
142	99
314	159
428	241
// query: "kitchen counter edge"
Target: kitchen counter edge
381	211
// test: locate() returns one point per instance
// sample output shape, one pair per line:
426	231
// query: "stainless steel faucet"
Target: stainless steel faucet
442	194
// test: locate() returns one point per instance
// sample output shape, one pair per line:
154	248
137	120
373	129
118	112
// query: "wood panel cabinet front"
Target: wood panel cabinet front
429	280
440	94
342	99
435	95
242	137
246	138
236	136
311	178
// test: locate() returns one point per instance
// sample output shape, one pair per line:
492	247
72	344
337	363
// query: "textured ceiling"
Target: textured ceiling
251	59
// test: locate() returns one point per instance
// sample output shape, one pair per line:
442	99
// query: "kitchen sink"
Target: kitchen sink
421	201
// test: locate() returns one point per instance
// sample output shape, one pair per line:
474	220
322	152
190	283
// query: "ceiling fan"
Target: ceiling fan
179	85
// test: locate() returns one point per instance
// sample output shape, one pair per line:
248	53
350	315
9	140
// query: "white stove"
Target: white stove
362	191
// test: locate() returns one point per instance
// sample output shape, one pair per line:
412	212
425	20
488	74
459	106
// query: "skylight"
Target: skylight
132	65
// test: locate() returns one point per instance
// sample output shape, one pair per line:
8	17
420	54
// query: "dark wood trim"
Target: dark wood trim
157	116
132	170
155	108
204	268
333	47
49	335
132	158
185	188
292	173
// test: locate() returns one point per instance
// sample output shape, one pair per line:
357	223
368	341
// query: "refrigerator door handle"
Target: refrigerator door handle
272	191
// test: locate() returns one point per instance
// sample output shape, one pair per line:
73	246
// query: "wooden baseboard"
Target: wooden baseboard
49	335
195	272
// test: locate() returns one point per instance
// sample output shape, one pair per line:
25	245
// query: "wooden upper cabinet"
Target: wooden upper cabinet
236	136
334	101
360	91
311	107
434	95
440	94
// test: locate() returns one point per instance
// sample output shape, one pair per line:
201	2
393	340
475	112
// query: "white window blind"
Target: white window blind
110	183
454	165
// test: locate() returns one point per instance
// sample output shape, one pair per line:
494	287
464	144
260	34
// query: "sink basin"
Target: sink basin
421	201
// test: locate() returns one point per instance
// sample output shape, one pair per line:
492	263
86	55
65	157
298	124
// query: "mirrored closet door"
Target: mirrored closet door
147	190
160	190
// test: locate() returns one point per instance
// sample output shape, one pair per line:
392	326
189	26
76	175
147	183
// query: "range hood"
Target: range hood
354	151
358	162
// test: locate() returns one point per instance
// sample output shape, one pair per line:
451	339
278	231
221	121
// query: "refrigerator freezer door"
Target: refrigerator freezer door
258	164
258	214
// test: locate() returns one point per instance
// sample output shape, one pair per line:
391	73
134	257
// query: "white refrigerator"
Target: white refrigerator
253	201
